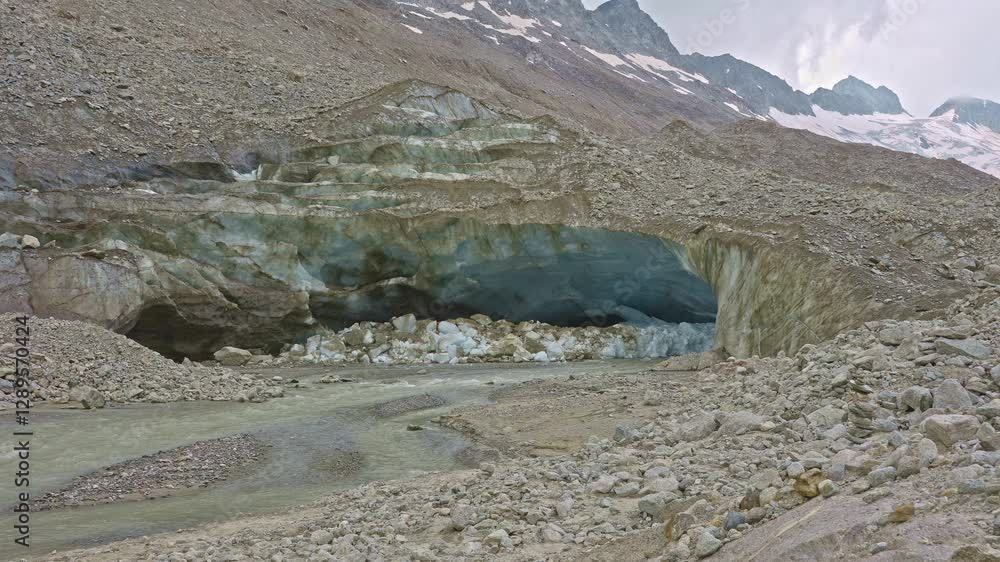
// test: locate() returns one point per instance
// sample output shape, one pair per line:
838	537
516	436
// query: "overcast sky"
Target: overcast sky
925	50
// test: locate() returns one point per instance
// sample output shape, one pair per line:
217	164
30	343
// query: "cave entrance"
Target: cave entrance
559	275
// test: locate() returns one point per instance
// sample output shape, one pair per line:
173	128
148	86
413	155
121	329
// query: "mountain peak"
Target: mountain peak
853	82
854	96
633	29
620	5
974	111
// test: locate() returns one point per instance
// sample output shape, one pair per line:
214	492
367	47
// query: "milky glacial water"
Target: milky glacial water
303	429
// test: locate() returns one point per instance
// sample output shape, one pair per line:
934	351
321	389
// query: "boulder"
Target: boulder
948	429
733	520
951	396
969	347
406	324
765	478
88	397
707	544
321	537
655	505
738	423
699	513
854	462
807	484
700	426
828	488
232	356
603	484
927	452
880	476
29	241
990	410
916	398
9	240
357	337
894	335
989	439
463	515
827	417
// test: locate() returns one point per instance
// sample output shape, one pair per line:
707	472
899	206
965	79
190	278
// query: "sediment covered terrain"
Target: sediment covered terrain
83	363
159	475
878	444
184	208
424	201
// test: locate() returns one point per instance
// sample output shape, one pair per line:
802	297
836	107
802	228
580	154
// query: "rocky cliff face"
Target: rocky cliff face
756	87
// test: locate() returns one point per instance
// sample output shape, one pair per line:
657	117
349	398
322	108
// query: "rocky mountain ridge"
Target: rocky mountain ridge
973	111
854	96
623	38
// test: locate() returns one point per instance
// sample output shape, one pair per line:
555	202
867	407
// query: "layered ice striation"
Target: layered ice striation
418	200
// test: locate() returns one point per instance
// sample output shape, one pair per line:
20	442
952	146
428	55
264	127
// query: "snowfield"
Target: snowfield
933	137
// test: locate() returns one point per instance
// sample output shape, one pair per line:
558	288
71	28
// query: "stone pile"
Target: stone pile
477	339
81	362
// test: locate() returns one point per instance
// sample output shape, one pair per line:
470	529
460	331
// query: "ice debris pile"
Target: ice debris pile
481	339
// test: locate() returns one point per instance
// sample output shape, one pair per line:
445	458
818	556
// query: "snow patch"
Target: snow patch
448	15
512	20
652	64
606	57
513	32
411	28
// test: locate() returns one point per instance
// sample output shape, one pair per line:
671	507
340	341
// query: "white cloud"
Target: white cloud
832	42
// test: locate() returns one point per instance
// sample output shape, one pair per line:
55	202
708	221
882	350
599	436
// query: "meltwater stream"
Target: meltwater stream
303	428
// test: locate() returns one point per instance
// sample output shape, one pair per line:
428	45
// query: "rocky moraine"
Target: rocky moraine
320	296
